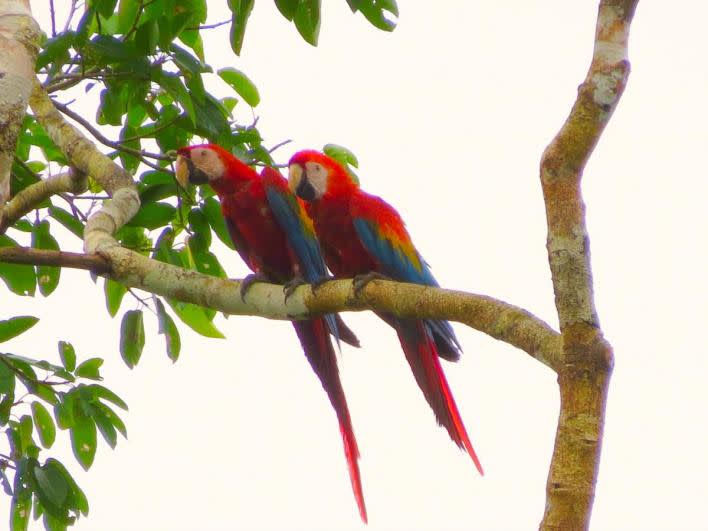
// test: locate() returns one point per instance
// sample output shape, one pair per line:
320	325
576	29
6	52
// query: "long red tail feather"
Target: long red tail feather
318	348
422	356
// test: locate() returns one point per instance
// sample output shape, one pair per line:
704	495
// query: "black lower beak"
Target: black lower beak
196	176
305	190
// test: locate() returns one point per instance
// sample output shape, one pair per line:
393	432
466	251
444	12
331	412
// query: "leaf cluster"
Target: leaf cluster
143	63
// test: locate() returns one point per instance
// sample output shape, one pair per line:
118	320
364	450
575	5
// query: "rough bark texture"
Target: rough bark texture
498	319
19	37
579	354
586	361
27	200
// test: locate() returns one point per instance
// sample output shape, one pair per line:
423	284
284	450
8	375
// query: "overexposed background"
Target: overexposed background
449	116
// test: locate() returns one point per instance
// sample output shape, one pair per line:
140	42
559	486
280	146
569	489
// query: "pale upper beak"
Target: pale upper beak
182	170
295	173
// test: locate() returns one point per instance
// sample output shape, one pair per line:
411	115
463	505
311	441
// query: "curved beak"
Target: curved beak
299	184
182	170
186	172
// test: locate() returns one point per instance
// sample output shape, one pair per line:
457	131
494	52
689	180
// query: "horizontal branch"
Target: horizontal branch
29	198
496	318
29	256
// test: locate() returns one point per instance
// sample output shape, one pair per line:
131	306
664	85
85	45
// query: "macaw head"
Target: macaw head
200	164
312	174
209	163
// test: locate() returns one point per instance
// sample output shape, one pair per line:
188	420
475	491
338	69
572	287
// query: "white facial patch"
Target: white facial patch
317	175
208	162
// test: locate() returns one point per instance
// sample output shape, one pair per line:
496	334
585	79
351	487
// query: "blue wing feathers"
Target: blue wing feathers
398	266
305	246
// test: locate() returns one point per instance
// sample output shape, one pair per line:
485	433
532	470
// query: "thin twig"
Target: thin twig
279	145
210	26
53	15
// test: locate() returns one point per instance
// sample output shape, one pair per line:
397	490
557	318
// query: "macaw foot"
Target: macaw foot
290	287
248	281
360	281
317	284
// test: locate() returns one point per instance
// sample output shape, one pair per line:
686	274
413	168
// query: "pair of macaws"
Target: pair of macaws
285	231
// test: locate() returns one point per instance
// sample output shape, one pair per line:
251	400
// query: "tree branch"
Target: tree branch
496	318
107	141
27	200
30	256
587	359
81	152
19	38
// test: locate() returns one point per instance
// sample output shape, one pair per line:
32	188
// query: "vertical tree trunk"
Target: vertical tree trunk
19	37
586	359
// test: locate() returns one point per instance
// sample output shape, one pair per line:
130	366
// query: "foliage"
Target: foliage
143	62
29	389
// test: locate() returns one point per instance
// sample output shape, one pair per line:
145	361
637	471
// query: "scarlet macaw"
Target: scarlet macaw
361	234
274	236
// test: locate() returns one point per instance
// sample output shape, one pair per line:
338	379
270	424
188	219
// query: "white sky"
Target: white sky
448	116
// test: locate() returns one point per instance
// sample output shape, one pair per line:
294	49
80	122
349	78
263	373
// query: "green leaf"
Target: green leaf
55	50
341	154
200	241
196	318
169	329
114	293
44	423
243	86
83	440
105	7
175	88
241	10
64	411
25	431
111	415
287	8
307	20
68	220
187	63
23	225
102	392
47	276
89	369
147	37
46	392
132	337
111	49
153	216
112	108
53	491
374	10
21	501
67	355
7	379
76	498
212	210
20	279
105	426
211	118
207	263
15	326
